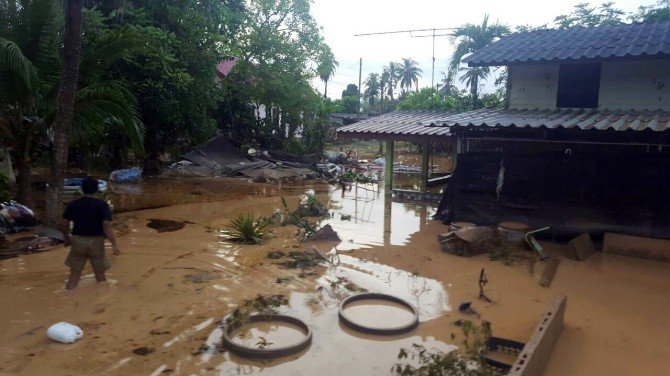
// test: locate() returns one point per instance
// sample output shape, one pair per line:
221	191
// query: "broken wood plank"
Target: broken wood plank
530	263
582	247
549	271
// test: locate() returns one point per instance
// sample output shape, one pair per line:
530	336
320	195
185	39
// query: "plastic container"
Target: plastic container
128	175
64	332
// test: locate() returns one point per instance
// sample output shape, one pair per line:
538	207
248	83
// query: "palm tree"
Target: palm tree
472	76
383	86
447	87
470	38
326	68
410	74
30	74
372	87
393	73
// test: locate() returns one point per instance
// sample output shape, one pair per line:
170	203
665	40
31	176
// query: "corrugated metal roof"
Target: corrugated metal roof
405	122
552	119
602	42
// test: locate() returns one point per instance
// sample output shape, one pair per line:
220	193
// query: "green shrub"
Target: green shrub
247	229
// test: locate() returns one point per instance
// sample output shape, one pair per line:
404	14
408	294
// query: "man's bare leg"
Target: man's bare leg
100	276
73	281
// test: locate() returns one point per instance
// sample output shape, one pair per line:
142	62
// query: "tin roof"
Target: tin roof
397	125
552	119
579	43
224	67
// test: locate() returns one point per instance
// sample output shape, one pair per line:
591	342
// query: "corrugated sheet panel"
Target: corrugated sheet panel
603	42
551	119
399	123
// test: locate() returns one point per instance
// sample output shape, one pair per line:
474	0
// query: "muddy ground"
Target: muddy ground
168	291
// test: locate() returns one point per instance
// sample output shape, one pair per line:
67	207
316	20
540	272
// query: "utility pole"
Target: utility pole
360	75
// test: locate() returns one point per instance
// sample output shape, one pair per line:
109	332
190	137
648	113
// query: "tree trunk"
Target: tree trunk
64	107
325	89
473	92
24	180
381	100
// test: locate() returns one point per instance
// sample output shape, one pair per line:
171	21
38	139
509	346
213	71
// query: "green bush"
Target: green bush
247	229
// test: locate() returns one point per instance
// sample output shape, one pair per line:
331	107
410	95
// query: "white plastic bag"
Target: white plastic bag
64	332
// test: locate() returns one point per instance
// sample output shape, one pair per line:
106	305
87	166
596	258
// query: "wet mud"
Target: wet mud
169	292
166	225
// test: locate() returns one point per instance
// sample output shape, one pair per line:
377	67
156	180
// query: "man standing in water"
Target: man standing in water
92	224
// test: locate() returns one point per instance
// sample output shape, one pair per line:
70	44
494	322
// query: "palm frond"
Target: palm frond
116	44
101	106
13	60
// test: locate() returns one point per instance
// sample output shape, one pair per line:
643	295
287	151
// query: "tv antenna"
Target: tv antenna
418	33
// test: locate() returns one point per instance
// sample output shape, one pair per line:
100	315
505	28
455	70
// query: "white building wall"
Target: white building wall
635	85
624	85
533	86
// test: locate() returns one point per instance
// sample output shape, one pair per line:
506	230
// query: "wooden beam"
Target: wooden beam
388	173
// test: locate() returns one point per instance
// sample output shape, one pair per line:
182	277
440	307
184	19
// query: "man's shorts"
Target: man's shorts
87	248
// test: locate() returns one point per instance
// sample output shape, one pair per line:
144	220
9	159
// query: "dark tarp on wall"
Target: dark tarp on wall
594	192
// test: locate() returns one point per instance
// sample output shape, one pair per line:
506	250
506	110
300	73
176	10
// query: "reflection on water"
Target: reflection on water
268	335
379	314
428	295
335	349
375	219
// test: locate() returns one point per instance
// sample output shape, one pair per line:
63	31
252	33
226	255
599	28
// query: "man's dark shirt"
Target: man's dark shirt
87	213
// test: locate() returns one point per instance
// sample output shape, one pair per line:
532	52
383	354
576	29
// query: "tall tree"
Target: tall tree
371	89
64	108
326	68
410	74
470	38
658	12
383	86
584	15
101	106
392	71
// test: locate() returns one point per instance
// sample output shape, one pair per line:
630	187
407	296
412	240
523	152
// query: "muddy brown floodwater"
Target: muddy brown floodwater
159	313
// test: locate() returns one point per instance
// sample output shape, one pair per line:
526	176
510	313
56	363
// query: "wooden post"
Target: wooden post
425	169
388	209
388	177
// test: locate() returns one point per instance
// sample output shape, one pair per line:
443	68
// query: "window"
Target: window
578	85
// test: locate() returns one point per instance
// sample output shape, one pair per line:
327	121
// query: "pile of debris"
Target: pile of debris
220	157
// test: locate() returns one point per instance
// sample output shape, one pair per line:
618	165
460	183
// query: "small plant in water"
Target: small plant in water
261	305
419	361
246	229
263	343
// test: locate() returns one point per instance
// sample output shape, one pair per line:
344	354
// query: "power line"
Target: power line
410	32
403	31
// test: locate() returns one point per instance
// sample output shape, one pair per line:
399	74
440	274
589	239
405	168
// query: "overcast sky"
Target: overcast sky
341	19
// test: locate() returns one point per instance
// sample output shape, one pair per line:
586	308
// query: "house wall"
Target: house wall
533	86
624	85
637	85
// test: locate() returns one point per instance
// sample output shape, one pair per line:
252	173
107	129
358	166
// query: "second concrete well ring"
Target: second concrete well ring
266	353
344	319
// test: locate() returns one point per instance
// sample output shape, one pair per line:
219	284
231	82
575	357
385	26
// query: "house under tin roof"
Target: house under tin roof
650	39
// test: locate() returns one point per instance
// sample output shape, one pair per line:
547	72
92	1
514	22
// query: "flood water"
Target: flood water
168	291
268	335
378	314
